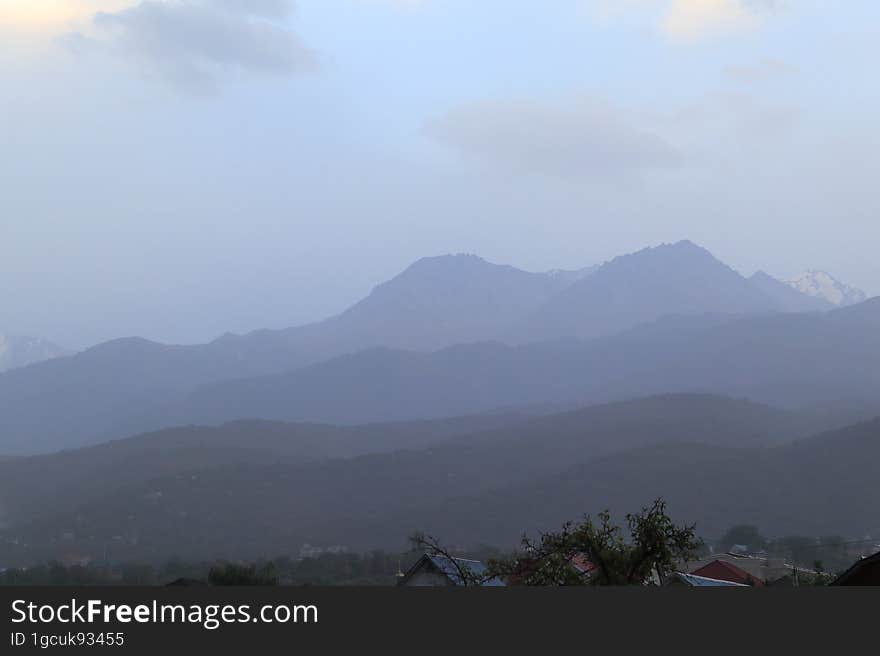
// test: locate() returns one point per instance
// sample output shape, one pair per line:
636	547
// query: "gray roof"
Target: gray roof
703	582
475	567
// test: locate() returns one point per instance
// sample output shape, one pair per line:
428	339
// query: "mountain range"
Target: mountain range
680	278
456	335
467	399
787	359
251	489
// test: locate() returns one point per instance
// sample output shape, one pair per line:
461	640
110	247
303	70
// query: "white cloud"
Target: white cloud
686	20
694	19
580	139
196	44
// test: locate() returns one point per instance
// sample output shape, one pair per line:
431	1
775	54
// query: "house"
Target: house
440	571
866	572
680	579
763	568
583	565
722	570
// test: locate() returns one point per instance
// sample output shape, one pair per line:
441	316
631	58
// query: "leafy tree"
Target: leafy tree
654	546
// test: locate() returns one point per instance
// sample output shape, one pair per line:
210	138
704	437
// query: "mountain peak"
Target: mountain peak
449	260
16	352
680	278
821	284
684	255
686	244
683	248
787	298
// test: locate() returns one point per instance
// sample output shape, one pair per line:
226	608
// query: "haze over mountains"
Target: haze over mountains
672	279
254	488
461	397
824	485
670	318
18	352
788	359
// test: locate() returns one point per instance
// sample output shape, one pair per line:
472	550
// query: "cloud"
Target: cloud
266	8
581	139
687	20
694	19
196	44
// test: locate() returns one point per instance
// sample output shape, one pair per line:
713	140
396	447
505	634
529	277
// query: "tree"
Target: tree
232	574
654	546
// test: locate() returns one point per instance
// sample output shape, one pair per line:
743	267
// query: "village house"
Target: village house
722	570
866	572
680	579
440	571
764	569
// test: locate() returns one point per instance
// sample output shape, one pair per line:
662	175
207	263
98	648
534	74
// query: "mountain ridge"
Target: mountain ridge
678	278
486	487
128	385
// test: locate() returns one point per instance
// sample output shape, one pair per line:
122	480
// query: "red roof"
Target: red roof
583	564
724	571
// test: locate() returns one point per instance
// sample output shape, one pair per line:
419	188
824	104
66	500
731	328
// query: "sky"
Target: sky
178	169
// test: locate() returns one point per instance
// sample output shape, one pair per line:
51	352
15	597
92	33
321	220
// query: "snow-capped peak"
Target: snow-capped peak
821	284
18	352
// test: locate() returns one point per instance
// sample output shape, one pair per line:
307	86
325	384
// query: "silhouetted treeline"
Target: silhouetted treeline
828	554
376	568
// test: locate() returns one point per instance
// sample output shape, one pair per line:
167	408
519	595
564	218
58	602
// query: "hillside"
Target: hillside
792	359
280	492
819	486
122	387
69	479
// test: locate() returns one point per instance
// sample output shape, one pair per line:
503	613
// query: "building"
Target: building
721	570
680	579
866	572
440	571
581	570
762	568
583	565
